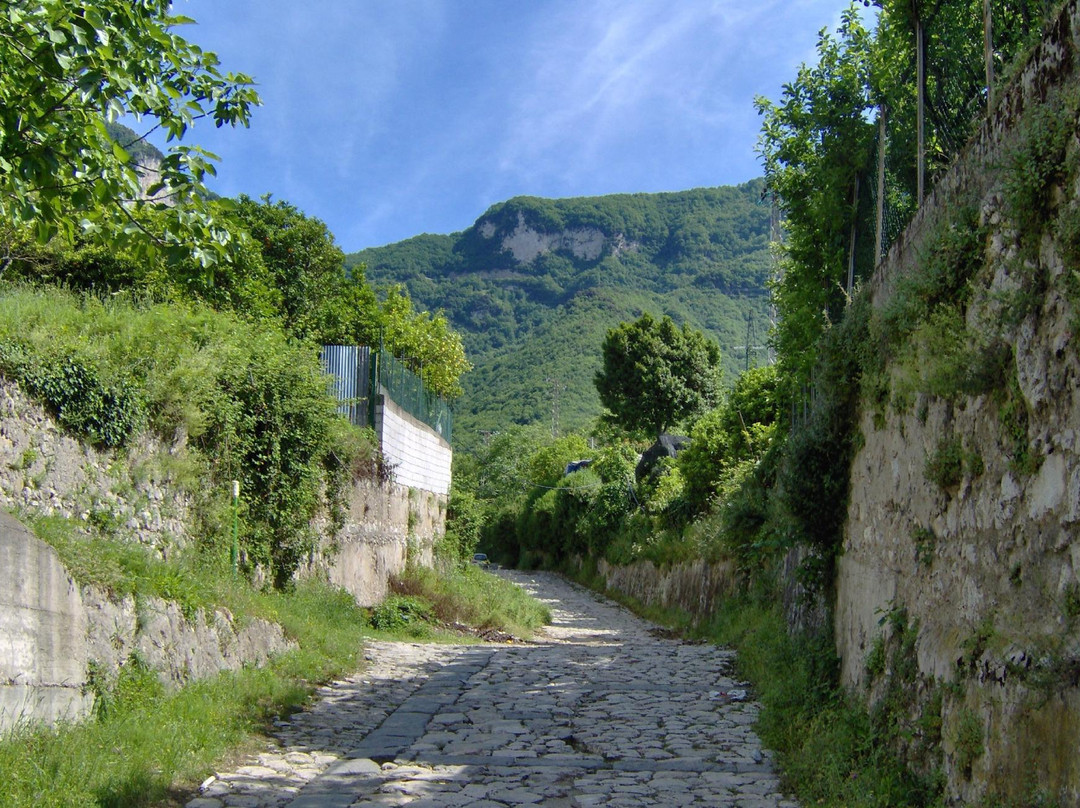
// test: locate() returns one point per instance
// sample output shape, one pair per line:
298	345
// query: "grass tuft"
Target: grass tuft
476	598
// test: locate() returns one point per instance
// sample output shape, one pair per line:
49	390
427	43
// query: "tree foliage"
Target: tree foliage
742	428
66	71
817	142
814	143
655	374
285	269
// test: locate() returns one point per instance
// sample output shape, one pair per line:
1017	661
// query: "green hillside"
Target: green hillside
535	283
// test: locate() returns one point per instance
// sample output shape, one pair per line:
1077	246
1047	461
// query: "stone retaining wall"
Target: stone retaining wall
387	527
696	587
52	632
987	570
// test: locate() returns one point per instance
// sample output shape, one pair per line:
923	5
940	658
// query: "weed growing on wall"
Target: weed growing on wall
925	545
945	466
966	735
906	713
106	413
1038	161
1013	417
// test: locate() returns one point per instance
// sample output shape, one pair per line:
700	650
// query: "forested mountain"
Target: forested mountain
535	283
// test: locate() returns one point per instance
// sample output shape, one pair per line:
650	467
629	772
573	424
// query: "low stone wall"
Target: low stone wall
52	632
695	587
179	649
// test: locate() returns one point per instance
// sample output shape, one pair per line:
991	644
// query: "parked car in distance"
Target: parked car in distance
481	559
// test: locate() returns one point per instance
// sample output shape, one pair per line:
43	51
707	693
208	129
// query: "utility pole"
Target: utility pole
920	110
775	235
879	224
988	52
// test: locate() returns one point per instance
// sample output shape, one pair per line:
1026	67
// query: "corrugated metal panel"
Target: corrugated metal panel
349	366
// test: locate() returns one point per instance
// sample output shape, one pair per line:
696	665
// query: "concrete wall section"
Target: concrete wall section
419	456
387	527
51	629
42	632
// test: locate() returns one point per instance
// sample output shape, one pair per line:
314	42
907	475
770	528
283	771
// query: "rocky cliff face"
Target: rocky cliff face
976	573
527	243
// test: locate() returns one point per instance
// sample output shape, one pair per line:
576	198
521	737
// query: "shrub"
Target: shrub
945	467
662	490
605	517
105	414
253	405
574	499
814	476
951	257
464	523
403	613
1037	162
703	462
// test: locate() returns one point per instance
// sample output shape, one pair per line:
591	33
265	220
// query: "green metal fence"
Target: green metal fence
362	374
406	389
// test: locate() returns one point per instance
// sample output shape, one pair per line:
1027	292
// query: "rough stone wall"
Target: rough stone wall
387	526
44	471
986	570
164	639
696	587
52	631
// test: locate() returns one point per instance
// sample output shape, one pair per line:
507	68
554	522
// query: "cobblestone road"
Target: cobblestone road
601	710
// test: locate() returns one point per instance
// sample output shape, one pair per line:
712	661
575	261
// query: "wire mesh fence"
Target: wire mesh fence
360	374
407	390
964	73
971	50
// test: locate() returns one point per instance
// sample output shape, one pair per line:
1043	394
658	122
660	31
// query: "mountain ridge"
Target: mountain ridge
534	284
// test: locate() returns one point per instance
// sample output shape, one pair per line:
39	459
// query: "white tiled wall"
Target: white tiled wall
420	457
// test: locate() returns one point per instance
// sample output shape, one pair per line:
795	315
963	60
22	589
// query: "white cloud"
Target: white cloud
596	74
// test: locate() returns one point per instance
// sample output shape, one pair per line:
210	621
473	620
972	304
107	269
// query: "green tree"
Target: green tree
322	301
69	68
814	144
655	374
425	342
740	429
319	301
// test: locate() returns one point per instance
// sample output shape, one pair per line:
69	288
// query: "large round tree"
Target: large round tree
656	374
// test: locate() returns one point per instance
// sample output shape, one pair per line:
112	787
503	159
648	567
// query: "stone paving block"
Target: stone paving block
599	711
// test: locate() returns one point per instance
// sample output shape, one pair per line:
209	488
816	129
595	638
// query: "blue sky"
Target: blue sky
390	118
